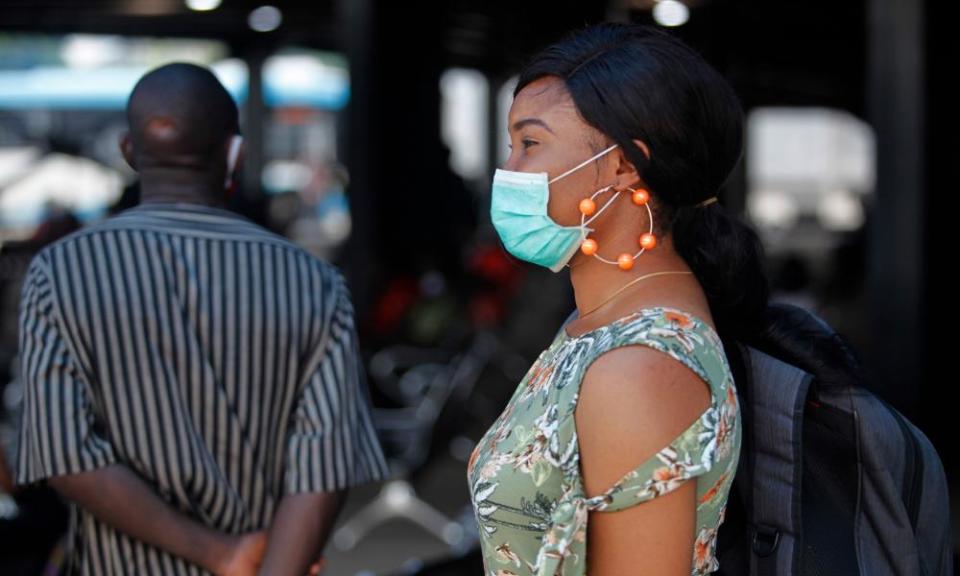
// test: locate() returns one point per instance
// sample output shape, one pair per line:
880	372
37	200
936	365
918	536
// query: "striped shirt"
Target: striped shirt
217	360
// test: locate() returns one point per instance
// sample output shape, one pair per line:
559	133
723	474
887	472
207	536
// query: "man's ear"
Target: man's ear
126	148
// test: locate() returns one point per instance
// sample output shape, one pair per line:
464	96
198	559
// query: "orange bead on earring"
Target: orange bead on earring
625	261
647	241
588	207
589	247
640	197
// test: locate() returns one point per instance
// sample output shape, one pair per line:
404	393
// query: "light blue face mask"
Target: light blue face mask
518	208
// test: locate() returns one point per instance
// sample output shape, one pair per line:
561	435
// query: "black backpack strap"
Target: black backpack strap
774	393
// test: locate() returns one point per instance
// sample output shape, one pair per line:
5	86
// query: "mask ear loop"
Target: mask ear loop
582	164
583	215
584	221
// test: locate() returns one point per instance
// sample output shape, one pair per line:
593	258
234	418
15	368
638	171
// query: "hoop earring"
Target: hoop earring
647	240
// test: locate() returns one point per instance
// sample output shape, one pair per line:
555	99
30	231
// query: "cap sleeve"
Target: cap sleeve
694	450
692	453
689	455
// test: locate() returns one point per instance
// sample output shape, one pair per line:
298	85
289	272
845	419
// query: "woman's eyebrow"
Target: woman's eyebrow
519	124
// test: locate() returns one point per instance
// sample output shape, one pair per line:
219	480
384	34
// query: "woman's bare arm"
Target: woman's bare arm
634	401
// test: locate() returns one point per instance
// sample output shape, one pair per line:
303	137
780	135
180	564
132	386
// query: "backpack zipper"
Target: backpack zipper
915	466
913	502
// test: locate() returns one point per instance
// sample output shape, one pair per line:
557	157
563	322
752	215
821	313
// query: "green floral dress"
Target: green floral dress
524	474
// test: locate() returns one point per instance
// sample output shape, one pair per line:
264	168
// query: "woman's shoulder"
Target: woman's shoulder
630	360
678	335
643	399
658	357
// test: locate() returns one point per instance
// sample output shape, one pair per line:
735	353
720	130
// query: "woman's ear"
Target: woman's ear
627	173
126	149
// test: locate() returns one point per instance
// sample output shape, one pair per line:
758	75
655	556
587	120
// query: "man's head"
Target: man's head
182	122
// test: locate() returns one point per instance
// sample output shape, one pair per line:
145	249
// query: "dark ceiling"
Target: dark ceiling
787	52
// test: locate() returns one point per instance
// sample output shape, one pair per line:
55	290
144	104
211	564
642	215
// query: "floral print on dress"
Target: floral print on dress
524	474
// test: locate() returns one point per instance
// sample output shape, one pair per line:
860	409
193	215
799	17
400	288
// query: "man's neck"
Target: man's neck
179	193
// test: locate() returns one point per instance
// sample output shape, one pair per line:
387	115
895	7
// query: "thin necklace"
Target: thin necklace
631	283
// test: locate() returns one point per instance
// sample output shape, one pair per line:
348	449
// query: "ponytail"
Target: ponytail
727	257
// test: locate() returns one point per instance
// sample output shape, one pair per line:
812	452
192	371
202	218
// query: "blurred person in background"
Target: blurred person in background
191	380
33	519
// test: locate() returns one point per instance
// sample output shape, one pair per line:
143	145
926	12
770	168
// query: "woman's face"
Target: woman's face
548	135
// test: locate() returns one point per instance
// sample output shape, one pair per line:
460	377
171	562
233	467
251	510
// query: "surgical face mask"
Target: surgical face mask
518	208
232	155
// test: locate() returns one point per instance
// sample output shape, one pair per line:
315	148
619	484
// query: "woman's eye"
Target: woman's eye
526	143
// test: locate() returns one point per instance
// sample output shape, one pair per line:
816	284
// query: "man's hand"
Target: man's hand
120	498
317	567
246	554
299	531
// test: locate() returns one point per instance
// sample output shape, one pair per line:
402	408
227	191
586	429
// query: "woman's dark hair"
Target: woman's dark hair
639	82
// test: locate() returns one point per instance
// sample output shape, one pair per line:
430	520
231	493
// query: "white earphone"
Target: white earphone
232	157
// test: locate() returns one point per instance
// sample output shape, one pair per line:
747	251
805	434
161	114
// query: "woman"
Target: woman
621	136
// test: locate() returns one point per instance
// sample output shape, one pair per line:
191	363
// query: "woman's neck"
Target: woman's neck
595	281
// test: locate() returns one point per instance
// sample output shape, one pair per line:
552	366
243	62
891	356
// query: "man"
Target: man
192	381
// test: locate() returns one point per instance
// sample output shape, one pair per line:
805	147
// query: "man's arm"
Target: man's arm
120	498
60	443
331	445
299	530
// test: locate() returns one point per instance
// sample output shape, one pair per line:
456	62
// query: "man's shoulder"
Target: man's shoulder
192	222
65	241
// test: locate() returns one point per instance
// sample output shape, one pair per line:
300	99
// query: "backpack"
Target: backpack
832	479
